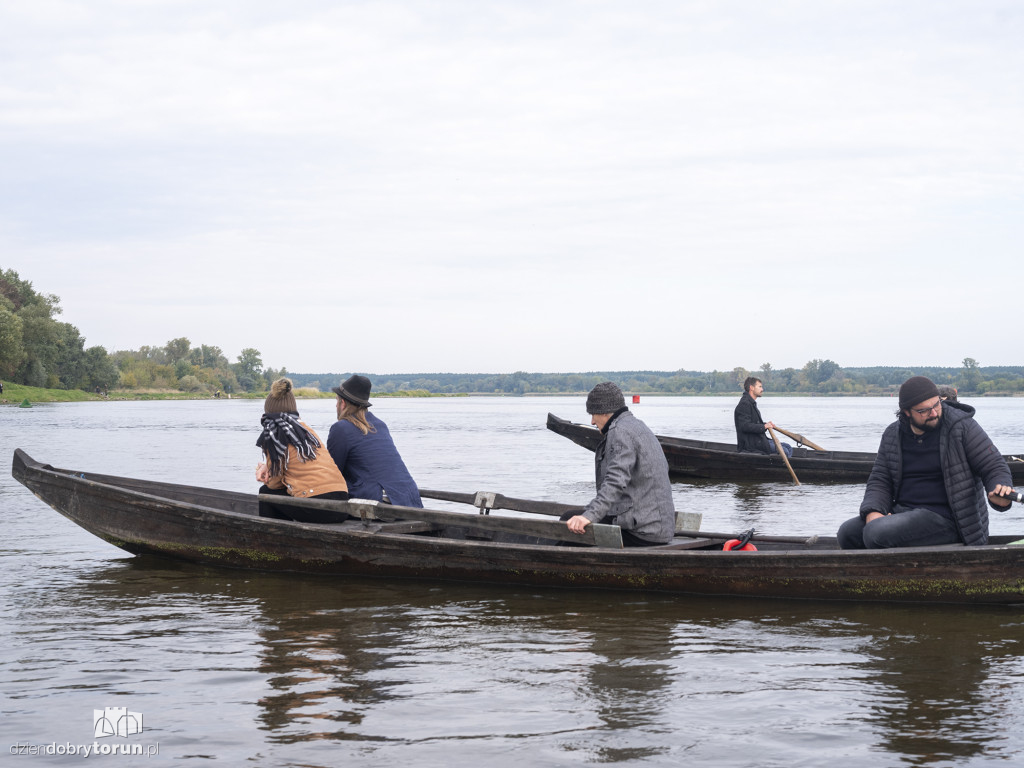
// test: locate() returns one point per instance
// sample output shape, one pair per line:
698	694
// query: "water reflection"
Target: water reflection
949	682
603	677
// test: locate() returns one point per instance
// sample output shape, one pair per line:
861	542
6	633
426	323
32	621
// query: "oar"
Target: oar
799	438
595	534
782	453
485	501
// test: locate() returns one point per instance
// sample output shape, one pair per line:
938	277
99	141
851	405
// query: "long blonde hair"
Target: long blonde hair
355	414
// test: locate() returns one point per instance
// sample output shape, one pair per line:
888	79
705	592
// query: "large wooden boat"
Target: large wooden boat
223	528
695	459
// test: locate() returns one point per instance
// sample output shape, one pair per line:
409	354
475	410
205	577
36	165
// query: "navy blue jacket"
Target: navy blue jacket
371	463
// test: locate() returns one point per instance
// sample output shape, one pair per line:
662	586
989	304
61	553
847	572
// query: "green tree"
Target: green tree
249	369
99	370
12	353
178	349
970	375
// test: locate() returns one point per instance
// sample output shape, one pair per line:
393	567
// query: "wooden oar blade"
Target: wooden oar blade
800	439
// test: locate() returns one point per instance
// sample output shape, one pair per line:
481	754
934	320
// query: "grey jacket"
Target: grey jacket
971	467
632	481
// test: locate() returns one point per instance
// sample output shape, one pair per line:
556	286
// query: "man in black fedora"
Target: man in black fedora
361	446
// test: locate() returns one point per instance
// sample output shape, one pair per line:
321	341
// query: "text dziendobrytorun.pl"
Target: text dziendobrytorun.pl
86	750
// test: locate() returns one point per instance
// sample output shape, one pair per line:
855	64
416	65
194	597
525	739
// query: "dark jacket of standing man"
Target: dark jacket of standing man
633	488
934	478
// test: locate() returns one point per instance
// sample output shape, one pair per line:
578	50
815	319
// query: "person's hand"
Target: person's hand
578	524
769	425
998	495
872	516
262	473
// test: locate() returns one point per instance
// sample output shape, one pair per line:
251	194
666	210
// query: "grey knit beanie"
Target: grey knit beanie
605	398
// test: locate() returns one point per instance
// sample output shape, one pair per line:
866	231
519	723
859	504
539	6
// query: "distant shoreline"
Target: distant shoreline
15	394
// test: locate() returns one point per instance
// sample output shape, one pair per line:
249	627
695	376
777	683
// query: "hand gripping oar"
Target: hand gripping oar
782	453
1019	498
800	439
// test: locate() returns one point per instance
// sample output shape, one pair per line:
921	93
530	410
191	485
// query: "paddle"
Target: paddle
800	439
782	453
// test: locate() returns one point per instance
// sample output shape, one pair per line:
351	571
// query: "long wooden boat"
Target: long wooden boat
696	459
223	528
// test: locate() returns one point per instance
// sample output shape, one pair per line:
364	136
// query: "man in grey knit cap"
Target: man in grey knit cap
633	489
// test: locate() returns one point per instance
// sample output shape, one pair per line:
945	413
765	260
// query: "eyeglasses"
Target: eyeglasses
928	411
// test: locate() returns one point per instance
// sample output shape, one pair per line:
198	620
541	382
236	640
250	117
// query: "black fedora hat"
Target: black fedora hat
355	389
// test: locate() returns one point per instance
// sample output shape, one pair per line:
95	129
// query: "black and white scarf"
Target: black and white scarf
279	431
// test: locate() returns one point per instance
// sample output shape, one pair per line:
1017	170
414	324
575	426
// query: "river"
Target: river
279	670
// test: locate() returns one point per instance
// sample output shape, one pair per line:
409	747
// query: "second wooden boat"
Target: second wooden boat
695	459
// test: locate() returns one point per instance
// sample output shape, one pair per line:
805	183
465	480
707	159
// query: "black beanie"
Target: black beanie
916	390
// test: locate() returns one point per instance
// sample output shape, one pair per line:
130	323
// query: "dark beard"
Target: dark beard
931	426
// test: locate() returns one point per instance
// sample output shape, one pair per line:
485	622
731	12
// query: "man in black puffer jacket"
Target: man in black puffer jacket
934	478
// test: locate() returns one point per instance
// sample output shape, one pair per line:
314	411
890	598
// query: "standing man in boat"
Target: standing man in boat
750	426
633	489
935	476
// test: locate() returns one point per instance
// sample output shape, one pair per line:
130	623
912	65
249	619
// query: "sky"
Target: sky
556	186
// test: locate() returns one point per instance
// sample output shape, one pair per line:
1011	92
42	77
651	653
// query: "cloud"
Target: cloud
538	186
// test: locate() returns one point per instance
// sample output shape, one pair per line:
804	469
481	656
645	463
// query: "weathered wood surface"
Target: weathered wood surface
594	535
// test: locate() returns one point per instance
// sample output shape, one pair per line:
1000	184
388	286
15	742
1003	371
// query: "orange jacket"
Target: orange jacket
309	478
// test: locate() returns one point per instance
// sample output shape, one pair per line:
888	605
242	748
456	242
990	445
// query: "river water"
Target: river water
279	670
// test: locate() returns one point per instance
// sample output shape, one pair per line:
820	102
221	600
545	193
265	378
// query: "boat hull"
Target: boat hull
222	528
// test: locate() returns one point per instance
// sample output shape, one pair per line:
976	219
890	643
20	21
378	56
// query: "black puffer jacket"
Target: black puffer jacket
971	466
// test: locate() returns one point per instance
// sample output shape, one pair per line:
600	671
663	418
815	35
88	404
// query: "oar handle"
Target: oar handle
1015	496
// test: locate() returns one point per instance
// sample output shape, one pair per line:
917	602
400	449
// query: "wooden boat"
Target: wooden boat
695	459
223	528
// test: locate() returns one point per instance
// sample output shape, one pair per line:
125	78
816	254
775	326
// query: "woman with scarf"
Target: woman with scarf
297	463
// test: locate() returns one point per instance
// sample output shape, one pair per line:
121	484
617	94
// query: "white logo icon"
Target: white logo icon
115	721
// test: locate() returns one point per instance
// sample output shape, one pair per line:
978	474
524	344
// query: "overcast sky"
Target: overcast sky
542	186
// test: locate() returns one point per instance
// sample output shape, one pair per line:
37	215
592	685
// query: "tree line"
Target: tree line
39	350
820	377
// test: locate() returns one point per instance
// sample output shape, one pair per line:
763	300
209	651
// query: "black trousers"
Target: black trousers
284	512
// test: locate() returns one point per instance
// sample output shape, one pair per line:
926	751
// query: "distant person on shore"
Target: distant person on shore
363	450
750	426
934	478
633	489
947	392
296	462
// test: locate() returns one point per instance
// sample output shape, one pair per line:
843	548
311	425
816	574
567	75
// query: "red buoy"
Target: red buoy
732	546
636	398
